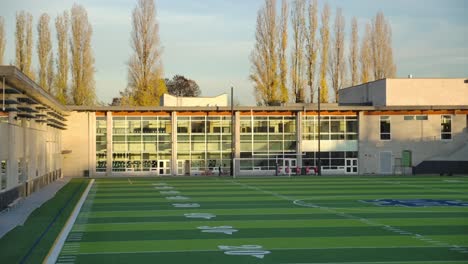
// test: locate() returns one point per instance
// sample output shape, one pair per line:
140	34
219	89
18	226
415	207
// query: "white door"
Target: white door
351	166
289	165
180	167
385	162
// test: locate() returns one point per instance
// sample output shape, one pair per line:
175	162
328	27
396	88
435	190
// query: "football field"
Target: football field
272	220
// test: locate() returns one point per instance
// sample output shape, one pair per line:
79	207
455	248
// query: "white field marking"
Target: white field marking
412	185
346	215
178	197
200	215
453	181
245	250
159	184
129	181
210	250
186	205
228	230
164	187
169	192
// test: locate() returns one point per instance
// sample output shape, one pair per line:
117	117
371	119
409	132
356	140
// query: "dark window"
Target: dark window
446	127
385	128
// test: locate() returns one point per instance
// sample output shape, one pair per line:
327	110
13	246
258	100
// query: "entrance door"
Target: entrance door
289	165
164	167
351	166
385	162
180	167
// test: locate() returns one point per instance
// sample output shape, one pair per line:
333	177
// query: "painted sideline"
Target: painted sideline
60	241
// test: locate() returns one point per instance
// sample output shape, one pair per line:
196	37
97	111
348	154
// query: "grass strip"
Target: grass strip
31	242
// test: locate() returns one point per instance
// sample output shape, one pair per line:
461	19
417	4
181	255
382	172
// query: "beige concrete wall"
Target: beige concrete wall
368	92
170	100
427	92
421	137
30	147
78	138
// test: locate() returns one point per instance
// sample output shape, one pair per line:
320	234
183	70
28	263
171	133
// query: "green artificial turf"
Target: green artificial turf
130	221
15	245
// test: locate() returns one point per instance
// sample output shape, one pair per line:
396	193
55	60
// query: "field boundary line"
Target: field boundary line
54	252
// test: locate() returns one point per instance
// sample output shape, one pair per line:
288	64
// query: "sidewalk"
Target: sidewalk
18	215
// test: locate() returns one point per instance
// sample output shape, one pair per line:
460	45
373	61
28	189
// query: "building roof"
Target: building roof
19	83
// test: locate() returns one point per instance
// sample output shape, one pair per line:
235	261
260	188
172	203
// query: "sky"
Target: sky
210	41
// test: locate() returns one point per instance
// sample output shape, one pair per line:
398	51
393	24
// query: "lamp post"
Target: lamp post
232	131
319	162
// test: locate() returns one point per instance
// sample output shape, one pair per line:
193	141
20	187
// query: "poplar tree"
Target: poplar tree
145	82
297	55
311	47
24	43
44	52
354	53
264	57
283	63
337	62
365	58
82	59
382	52
61	79
2	39
325	41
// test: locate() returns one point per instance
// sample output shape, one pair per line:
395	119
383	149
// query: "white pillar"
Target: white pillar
174	143
12	163
109	143
299	138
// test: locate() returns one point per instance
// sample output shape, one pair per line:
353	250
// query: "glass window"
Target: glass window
421	117
385	128
446	127
3	174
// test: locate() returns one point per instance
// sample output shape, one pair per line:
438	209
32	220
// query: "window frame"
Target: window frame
442	128
381	119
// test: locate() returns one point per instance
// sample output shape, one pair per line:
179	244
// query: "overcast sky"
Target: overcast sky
210	40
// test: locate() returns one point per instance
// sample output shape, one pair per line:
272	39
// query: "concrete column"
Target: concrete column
91	143
361	140
109	143
12	163
299	138
174	143
236	126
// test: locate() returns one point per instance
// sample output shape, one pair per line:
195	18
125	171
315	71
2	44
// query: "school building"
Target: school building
389	126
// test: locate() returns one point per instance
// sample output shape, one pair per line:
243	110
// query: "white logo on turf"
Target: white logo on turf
228	230
169	192
163	187
178	197
159	184
200	215
245	250
186	205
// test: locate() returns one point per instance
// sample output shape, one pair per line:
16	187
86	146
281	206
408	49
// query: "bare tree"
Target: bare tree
61	80
82	60
44	50
297	55
264	56
283	45
146	84
382	53
365	58
337	61
2	39
24	43
354	53
311	47
325	39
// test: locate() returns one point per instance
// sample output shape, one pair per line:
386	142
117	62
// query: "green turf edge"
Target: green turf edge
15	244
